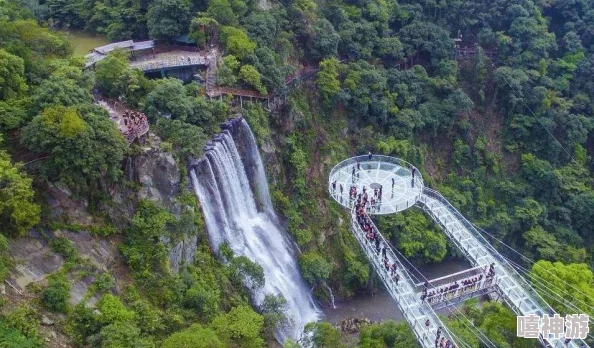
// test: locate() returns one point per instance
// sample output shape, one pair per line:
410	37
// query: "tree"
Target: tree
143	248
323	42
251	76
273	309
56	295
314	267
222	12
123	334
327	80
108	71
195	336
237	42
12	76
113	310
203	28
82	145
245	270
187	139
241	327
415	235
59	91
387	334
227	71
18	211
323	335
574	282
169	100
168	19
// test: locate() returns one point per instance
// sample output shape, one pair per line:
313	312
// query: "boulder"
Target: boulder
46	321
353	325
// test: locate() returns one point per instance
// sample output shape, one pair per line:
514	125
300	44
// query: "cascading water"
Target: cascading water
225	181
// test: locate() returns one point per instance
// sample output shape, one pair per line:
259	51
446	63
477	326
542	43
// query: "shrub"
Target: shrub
56	295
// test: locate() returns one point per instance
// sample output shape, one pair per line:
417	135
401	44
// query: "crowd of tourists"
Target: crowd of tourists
458	287
136	124
372	236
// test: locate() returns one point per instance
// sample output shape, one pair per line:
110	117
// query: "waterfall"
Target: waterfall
331	295
225	181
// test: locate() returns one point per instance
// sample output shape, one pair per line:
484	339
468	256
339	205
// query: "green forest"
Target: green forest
506	134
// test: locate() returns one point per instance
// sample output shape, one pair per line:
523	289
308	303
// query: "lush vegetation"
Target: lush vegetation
505	135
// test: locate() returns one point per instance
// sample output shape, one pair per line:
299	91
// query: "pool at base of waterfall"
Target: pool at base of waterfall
381	306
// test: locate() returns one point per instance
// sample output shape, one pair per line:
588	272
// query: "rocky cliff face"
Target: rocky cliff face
157	173
158	178
160	181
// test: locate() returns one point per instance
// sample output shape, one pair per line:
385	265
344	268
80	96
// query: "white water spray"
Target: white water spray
224	182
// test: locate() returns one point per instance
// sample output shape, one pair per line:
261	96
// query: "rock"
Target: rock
183	252
79	289
34	260
353	325
159	176
2	289
62	203
53	335
46	321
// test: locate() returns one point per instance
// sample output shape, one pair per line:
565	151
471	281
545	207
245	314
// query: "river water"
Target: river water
82	41
381	306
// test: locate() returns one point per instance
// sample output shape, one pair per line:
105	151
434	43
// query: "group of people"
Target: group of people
363	198
440	340
135	123
372	236
458	287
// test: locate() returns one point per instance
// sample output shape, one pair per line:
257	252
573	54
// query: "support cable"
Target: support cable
557	297
428	281
478	333
532	262
549	292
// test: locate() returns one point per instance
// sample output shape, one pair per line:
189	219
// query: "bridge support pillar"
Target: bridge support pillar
162	73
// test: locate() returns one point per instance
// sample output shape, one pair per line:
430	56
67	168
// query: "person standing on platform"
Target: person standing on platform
369	156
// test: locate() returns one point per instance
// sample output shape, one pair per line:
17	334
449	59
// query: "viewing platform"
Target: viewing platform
392	175
355	184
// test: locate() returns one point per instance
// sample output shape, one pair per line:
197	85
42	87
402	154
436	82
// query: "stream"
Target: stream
381	306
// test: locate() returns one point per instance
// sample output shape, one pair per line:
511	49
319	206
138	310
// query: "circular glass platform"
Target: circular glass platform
386	180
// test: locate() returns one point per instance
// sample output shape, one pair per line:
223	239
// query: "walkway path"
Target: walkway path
382	169
373	174
379	171
170	60
520	297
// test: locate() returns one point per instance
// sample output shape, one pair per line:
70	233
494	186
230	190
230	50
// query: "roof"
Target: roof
93	58
143	45
108	48
99	53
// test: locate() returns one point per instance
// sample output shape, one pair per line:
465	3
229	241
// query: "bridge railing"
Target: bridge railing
168	63
515	277
494	253
376	160
407	298
380	158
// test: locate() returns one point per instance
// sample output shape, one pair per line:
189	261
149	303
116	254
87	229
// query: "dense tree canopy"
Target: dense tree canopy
504	133
81	145
18	211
